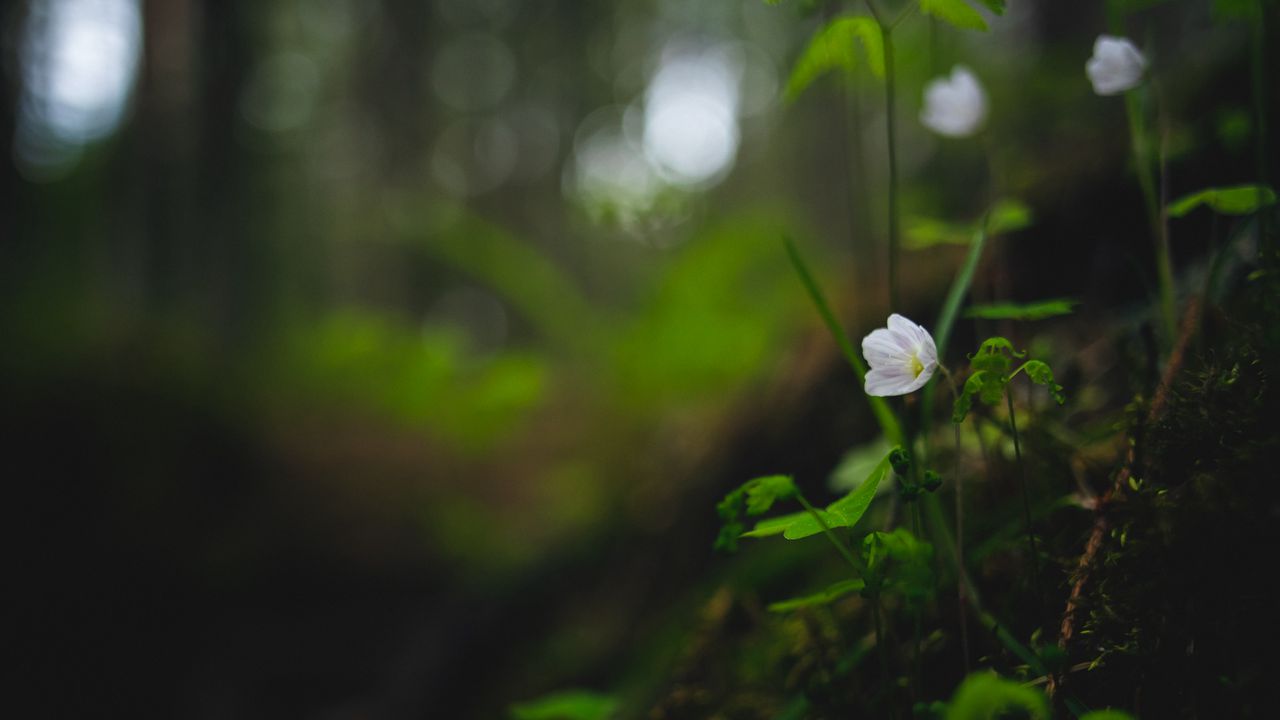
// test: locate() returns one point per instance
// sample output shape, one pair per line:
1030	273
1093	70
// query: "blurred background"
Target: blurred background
386	358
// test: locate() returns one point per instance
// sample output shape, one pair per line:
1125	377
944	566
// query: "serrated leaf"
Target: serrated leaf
834	47
957	13
1235	200
826	597
987	695
764	491
567	705
1025	311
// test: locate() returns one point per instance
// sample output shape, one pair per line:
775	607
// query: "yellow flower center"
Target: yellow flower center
917	367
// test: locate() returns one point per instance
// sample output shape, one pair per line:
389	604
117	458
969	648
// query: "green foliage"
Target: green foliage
1005	216
1009	215
990	376
995	6
431	379
833	48
753	497
1107	715
1041	374
845	512
763	492
986	696
857	463
720	308
567	705
884	416
1025	312
899	562
954	12
825	597
995	355
1235	200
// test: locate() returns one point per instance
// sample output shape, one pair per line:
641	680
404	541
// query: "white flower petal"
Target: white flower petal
954	106
890	381
882	347
1116	65
902	357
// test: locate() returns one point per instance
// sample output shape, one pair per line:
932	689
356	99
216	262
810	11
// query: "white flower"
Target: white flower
1116	65
954	106
902	358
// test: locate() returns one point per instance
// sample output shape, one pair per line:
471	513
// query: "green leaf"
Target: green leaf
833	47
991	356
775	525
995	6
567	705
857	463
1041	374
1009	215
1027	312
1107	715
954	12
879	407
845	512
1236	200
964	402
901	562
826	597
762	492
986	695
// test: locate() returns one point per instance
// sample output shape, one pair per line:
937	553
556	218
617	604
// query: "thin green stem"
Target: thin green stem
1155	214
888	421
890	91
1026	507
835	540
861	570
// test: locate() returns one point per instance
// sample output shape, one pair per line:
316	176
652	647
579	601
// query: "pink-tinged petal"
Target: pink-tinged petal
889	381
882	348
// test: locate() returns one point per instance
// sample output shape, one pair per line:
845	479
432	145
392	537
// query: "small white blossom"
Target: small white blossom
902	358
955	106
1116	65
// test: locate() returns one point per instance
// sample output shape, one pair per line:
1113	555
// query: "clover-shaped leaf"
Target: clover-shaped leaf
1041	374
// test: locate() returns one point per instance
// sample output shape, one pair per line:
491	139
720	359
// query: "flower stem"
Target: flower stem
890	91
1026	507
836	541
861	571
1155	215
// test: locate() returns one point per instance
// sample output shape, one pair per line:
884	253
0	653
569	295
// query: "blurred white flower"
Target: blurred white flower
955	106
902	358
1116	65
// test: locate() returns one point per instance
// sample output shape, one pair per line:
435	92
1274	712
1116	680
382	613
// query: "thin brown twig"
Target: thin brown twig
1101	523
